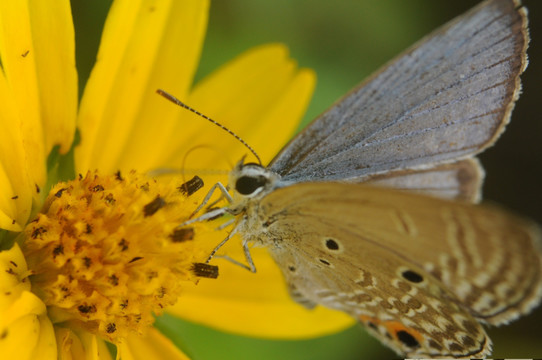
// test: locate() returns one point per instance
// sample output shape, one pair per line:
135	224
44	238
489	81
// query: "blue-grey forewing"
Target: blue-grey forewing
446	98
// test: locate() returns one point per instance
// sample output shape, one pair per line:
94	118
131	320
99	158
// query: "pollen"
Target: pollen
105	252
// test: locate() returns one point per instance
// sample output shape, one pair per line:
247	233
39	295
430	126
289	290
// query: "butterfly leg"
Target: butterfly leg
248	257
250	267
212	254
207	216
225	225
220	198
211	192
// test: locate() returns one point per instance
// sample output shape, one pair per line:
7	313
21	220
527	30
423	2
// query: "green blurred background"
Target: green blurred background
344	41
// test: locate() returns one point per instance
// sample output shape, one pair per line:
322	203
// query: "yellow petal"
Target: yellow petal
261	96
145	45
28	306
29	337
16	188
13	277
46	347
279	123
69	345
38	59
153	345
254	304
19	65
54	45
25	329
74	345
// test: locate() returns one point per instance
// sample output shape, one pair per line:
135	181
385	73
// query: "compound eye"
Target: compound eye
247	185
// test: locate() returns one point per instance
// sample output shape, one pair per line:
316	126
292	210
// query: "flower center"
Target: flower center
105	251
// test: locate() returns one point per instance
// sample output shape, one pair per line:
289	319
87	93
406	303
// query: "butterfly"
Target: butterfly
370	209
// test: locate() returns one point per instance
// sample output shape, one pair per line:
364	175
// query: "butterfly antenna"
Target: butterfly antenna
174	100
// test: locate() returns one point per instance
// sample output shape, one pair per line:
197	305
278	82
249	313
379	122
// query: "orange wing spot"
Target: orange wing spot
365	319
402	333
395	327
408	337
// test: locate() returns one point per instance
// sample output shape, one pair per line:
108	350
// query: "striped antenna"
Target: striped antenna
174	100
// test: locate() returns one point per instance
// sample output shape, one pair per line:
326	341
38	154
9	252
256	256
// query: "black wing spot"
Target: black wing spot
407	339
291	268
332	244
412	276
325	262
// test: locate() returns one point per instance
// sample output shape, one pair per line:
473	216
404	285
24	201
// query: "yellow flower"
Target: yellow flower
101	254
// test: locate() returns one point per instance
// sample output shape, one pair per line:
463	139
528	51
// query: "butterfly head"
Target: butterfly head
250	180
